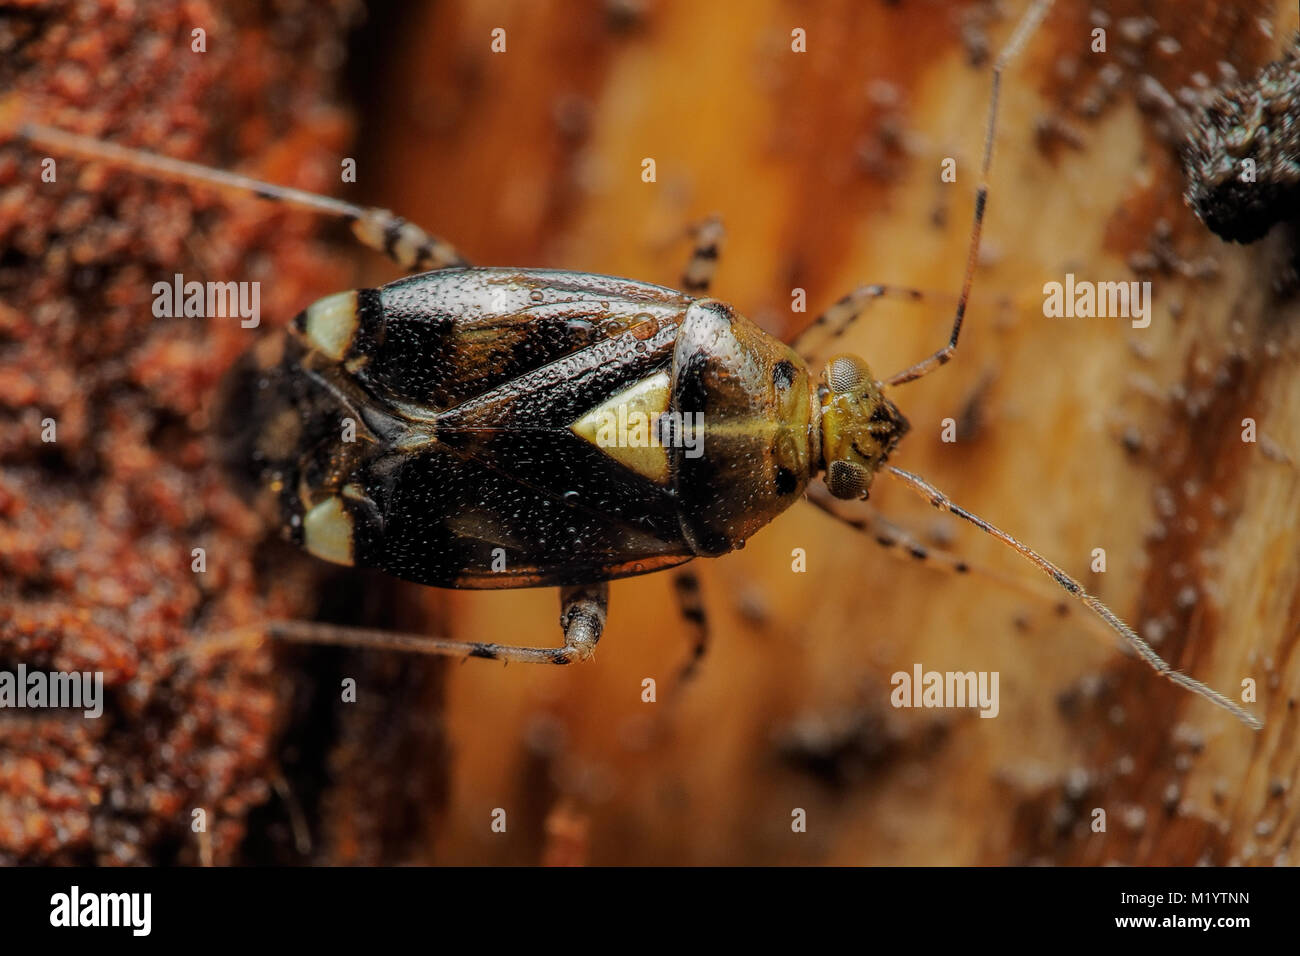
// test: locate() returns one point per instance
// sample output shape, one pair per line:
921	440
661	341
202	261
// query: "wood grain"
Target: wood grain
824	167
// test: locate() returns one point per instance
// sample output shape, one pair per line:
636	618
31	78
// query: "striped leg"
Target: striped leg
582	616
686	586
847	310
813	341
697	277
405	243
902	544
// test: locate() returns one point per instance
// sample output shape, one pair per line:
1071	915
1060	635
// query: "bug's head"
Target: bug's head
860	426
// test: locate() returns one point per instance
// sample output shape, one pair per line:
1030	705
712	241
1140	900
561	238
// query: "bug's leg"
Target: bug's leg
404	242
698	274
583	608
939	500
583	611
904	545
1033	16
686	587
844	312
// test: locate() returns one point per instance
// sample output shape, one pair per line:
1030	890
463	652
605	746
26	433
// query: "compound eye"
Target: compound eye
846	374
847	479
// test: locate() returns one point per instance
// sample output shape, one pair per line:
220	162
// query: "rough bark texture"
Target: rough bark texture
97	529
1076	434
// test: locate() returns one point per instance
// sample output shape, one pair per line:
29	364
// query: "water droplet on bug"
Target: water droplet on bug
536	295
570	496
644	325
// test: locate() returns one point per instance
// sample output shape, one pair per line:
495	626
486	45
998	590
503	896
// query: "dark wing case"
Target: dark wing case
466	473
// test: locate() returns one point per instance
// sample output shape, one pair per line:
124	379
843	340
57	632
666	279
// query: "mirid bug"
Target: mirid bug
480	403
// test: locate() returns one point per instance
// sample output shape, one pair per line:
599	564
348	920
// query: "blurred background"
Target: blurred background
1073	434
